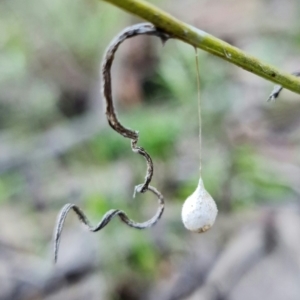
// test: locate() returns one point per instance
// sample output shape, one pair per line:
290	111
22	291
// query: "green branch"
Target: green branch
207	42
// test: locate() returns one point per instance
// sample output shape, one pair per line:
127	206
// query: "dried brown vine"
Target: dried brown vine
113	121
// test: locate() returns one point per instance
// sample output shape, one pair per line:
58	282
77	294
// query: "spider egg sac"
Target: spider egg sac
199	210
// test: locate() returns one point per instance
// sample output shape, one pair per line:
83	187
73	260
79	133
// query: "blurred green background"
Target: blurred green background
56	147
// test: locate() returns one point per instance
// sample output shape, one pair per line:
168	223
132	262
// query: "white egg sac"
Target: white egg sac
199	210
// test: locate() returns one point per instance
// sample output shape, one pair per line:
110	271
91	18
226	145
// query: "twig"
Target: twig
278	88
207	42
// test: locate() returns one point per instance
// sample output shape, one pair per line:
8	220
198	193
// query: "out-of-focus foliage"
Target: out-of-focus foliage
56	147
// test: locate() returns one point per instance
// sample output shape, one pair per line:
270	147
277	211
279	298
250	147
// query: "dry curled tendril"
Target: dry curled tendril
113	121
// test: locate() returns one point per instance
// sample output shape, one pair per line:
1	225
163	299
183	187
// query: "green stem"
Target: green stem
207	42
